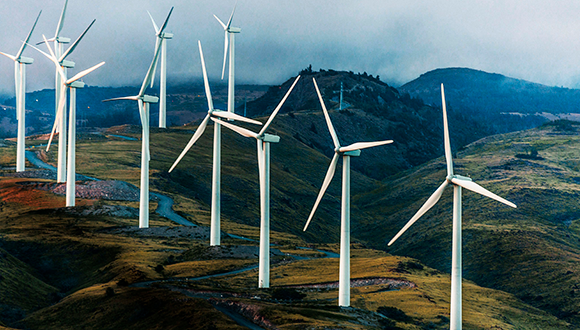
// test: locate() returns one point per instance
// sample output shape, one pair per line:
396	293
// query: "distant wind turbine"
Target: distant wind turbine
162	36
144	101
263	140
73	84
212	112
458	182
62	55
230	32
346	153
20	82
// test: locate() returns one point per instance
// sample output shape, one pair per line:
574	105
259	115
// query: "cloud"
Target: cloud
535	40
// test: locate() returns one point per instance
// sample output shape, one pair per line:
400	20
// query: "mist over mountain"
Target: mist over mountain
501	103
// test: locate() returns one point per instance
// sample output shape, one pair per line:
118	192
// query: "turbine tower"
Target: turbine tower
144	102
20	82
73	84
58	50
162	36
212	113
263	141
458	183
230	33
352	150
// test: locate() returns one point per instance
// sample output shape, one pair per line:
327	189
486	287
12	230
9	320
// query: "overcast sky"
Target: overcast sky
533	40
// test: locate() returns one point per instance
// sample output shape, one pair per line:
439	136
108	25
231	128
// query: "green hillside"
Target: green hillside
532	251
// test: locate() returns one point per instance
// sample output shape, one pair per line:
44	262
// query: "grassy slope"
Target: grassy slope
134	258
532	251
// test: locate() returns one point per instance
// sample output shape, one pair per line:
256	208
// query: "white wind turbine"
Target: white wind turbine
346	153
61	56
73	84
20	82
144	101
263	141
162	36
212	112
458	182
230	32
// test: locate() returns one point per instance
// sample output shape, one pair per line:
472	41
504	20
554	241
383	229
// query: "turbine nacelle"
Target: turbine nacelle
352	153
234	30
456	176
77	84
166	35
61	40
269	138
67	64
150	99
25	60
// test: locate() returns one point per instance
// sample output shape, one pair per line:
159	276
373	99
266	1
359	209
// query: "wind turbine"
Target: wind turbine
211	113
144	101
73	84
458	182
162	36
352	150
230	32
59	50
263	141
20	82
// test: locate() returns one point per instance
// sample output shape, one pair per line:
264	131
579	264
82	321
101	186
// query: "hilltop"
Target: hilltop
500	103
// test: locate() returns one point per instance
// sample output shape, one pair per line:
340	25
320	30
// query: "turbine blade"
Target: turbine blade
448	156
43	42
240	130
263	130
231	16
428	204
327	117
75	44
166	21
61	20
158	42
191	142
325	184
84	73
132	98
220	21
470	185
28	37
154	25
231	115
205	80
141	111
51	57
225	54
9	56
364	145
59	114
149	74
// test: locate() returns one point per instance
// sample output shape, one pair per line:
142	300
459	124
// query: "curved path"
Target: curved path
164	204
164	209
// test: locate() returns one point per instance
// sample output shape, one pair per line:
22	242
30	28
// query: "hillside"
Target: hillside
97	270
501	103
532	251
376	111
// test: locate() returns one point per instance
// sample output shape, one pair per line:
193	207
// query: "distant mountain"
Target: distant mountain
503	104
186	103
376	111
